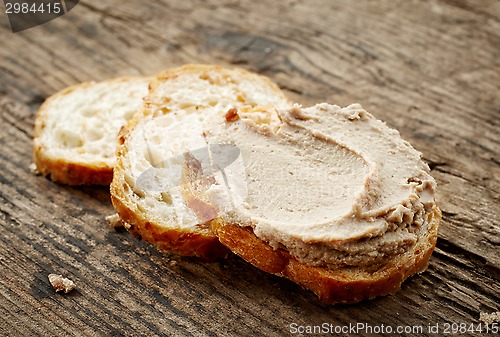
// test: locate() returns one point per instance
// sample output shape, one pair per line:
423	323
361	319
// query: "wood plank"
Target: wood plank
431	69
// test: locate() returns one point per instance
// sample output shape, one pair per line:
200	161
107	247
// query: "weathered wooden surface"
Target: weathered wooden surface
428	68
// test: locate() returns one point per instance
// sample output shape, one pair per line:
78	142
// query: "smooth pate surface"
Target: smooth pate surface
331	185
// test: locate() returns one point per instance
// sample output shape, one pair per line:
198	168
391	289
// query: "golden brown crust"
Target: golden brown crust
60	169
342	285
69	173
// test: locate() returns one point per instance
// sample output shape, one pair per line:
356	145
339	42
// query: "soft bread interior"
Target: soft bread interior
79	125
206	88
154	160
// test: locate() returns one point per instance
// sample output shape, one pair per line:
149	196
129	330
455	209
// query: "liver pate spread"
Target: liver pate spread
332	186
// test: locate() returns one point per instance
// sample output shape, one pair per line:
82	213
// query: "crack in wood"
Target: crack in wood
464	6
453	251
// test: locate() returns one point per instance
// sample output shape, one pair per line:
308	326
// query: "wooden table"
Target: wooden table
430	69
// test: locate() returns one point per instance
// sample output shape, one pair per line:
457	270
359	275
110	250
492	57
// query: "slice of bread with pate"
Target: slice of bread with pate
328	197
76	129
163	150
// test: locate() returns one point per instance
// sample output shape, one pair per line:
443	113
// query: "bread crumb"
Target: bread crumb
60	283
173	263
34	169
115	221
487	318
232	115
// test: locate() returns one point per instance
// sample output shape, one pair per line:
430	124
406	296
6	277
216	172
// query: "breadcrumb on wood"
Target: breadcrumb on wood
115	221
60	283
487	318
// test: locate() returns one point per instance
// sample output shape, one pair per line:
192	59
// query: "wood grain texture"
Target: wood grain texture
431	69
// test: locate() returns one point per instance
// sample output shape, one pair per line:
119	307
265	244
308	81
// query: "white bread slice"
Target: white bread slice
156	148
76	129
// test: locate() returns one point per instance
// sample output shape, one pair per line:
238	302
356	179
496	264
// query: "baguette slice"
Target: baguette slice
76	129
164	142
292	210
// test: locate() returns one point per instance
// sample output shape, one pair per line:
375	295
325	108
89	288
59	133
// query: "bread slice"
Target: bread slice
341	285
349	217
162	145
76	129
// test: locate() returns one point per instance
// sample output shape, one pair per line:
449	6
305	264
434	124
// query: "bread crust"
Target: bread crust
341	285
70	173
62	170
